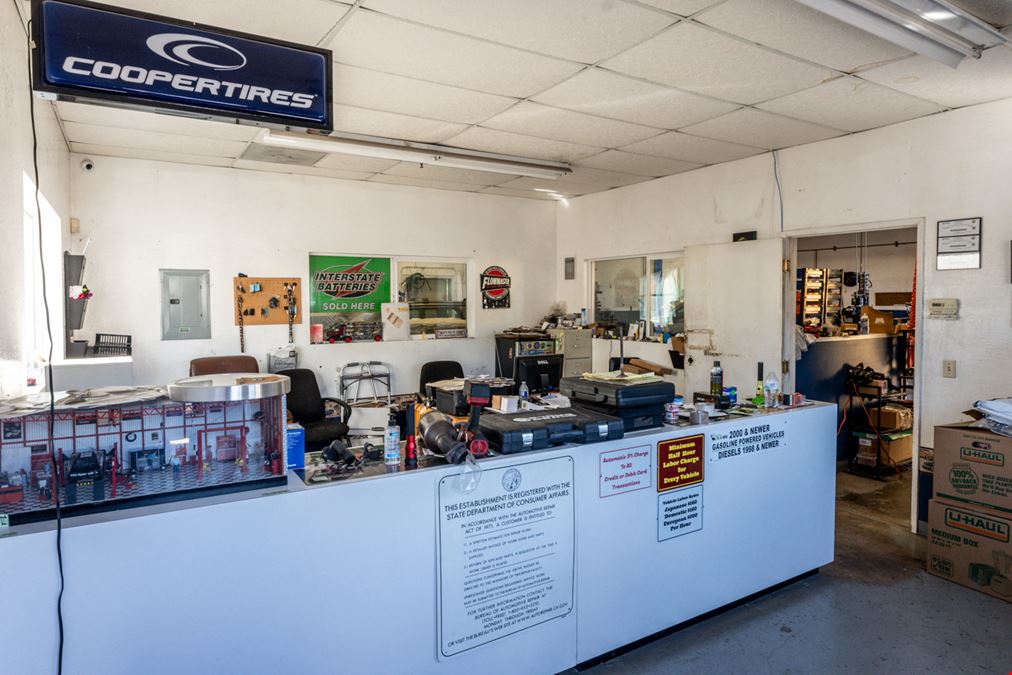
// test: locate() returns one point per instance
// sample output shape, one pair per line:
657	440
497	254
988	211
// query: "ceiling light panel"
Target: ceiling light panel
91	149
641	165
703	61
975	81
544	121
379	42
851	104
394	93
577	30
392	125
302	21
151	121
790	27
600	92
442	173
504	142
150	140
523	194
761	129
676	145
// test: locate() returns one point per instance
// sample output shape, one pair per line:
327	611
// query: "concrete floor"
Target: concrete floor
874	610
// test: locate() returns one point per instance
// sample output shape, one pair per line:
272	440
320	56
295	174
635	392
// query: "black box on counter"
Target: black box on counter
535	429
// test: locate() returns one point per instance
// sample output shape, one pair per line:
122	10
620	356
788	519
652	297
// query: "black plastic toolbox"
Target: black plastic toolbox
639	406
535	429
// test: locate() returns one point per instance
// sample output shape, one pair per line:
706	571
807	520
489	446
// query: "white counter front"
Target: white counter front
393	573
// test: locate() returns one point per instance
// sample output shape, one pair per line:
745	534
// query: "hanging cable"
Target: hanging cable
49	358
780	190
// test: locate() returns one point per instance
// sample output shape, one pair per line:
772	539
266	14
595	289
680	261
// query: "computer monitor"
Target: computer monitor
541	373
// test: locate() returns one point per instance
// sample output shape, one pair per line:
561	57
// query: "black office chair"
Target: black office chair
434	371
308	409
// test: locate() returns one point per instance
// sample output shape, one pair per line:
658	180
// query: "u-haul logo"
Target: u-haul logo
983	456
977	524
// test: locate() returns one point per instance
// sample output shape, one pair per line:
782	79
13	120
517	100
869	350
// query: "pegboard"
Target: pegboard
260	300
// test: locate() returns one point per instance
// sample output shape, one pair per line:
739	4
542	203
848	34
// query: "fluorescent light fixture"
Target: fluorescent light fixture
419	153
933	28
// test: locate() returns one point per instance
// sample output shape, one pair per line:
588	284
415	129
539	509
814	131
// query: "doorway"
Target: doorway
852	322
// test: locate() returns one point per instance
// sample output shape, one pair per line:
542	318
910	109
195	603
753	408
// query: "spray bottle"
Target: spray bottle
392	442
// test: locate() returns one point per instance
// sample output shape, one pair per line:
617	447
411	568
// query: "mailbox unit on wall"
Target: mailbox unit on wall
186	304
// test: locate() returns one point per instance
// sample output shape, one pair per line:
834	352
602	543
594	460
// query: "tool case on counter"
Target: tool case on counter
535	429
639	406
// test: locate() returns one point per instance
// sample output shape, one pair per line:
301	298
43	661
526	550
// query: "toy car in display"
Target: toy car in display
354	332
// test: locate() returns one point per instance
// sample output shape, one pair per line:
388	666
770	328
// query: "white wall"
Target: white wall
950	165
143	216
18	329
890	268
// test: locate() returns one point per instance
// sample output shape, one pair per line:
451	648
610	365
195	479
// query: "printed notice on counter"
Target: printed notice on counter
624	470
506	552
754	438
680	462
679	512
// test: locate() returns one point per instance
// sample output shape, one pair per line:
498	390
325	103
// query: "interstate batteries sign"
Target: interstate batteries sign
90	52
348	284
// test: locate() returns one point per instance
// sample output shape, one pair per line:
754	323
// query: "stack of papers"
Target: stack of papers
625	378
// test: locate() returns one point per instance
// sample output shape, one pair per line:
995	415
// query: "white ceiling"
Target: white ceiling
624	90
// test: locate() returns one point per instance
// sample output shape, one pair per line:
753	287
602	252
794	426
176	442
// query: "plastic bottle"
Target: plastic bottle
524	391
771	390
716	380
759	398
392	442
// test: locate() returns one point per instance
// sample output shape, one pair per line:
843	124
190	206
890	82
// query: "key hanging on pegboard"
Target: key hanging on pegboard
242	323
292	308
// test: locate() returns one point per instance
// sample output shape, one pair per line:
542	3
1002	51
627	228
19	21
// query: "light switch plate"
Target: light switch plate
949	368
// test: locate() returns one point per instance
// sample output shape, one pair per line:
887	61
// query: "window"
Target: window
436	292
648	289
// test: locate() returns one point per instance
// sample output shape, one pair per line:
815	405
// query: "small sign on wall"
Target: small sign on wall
959	244
495	288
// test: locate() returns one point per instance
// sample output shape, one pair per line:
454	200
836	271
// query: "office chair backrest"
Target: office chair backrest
304	400
212	365
434	371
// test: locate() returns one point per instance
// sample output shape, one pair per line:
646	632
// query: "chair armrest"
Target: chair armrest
345	408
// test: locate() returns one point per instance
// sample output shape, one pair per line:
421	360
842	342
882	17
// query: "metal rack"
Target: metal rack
820	296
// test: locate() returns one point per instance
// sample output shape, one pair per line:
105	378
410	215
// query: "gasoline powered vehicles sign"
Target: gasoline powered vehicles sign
505	552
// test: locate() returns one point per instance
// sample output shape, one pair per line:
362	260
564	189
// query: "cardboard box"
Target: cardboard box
296	446
973	466
971	547
898	447
893	417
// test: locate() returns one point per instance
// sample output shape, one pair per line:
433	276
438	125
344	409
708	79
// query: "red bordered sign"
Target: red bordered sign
495	288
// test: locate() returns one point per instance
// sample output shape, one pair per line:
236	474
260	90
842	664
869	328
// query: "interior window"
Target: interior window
436	292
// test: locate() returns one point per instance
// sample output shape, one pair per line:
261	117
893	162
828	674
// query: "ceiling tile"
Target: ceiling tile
354	163
974	81
583	174
447	174
642	165
681	7
793	28
608	94
381	91
525	194
302	21
421	182
288	156
998	13
151	140
152	121
392	125
565	188
379	42
300	170
579	30
761	129
851	104
676	145
701	60
544	121
506	143
141	153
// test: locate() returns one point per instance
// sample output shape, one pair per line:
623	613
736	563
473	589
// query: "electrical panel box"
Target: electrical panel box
186	304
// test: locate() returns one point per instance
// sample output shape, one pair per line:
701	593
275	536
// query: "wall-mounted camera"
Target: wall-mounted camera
87	165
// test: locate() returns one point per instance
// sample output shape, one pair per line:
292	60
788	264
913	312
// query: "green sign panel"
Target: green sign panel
346	284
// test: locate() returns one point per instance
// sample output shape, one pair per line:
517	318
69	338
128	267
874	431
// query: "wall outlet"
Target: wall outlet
948	368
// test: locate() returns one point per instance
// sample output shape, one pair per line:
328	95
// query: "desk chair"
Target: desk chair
434	371
308	409
212	365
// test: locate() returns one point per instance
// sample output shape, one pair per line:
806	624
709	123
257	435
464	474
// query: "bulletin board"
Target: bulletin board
267	297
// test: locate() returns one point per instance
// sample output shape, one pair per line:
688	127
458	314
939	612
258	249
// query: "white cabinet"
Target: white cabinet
575	345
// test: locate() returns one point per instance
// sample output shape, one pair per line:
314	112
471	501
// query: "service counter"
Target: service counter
555	558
